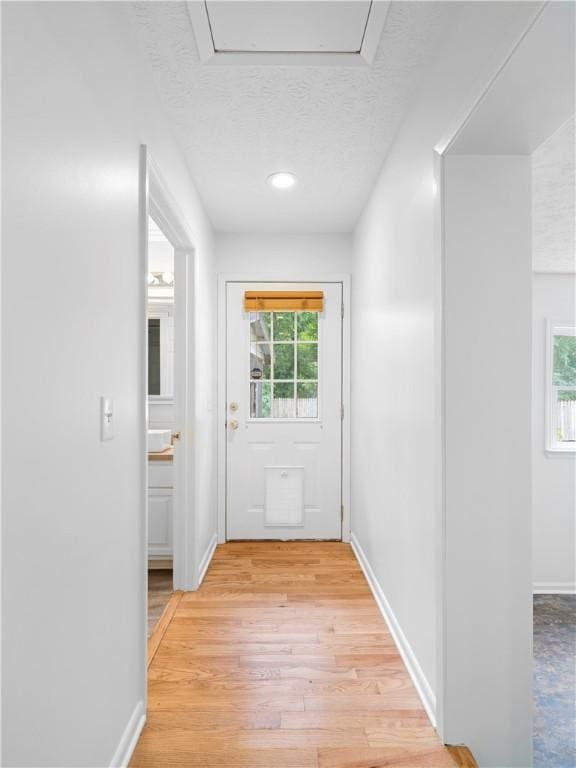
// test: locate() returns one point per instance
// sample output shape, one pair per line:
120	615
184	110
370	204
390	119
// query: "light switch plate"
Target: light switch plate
106	418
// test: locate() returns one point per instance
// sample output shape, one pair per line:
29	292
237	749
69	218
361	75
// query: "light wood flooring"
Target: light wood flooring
159	592
282	660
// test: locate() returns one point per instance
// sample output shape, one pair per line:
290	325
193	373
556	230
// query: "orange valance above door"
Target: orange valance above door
277	301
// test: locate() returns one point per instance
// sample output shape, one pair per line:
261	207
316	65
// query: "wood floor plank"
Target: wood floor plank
222	648
173	696
184	629
383	736
224	737
176	671
162	625
274	687
335	649
392	718
282	660
388	757
169	720
318	673
166	757
394	699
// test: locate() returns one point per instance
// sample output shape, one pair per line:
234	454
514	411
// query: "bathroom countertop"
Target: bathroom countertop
166	455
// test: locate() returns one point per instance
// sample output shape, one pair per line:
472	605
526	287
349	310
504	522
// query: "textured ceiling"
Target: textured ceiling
332	126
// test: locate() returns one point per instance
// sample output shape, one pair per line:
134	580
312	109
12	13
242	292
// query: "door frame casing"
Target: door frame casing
344	279
160	204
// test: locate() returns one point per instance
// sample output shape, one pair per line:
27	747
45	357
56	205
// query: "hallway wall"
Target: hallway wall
77	104
278	256
396	448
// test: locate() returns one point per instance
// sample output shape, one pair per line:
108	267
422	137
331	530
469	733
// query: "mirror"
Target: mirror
161	350
160	284
154	387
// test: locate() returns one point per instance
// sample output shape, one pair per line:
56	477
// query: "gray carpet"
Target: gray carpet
555	681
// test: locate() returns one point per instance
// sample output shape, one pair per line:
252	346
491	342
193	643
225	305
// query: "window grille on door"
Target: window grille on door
284	365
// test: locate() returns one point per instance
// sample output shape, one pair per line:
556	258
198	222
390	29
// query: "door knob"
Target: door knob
176	436
233	424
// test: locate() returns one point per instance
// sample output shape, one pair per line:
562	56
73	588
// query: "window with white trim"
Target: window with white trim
561	381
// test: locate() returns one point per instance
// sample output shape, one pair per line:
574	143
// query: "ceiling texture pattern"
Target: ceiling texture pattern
331	126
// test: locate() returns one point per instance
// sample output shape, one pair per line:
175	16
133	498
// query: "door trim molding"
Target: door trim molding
344	279
163	207
207	558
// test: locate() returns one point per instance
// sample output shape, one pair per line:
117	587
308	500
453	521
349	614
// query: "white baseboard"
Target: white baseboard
207	557
415	671
555	588
130	737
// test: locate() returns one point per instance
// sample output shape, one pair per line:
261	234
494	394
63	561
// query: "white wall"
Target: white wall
487	475
77	106
395	357
554	476
278	256
160	257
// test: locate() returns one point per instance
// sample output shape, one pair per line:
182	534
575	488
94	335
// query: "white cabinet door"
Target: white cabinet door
284	418
160	474
159	522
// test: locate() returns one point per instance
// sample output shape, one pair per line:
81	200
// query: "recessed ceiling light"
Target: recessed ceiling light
282	180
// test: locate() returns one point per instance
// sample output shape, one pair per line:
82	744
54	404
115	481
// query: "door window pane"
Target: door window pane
283	389
283	403
307	361
260	326
283	361
260	399
260	361
307	324
307	399
283	326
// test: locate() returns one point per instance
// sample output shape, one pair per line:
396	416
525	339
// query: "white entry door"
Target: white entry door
284	417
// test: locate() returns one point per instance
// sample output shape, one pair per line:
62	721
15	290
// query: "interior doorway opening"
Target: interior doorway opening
160	305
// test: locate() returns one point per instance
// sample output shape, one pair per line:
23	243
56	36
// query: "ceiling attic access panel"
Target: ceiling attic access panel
288	32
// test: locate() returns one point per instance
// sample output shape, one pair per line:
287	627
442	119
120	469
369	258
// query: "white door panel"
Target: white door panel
284	429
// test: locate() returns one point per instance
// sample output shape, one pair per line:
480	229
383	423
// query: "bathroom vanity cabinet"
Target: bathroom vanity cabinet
160	494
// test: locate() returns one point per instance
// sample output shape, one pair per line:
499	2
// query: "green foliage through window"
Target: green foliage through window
284	344
307	326
564	373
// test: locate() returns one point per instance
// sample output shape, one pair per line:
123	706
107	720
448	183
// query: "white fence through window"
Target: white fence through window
566	420
289	407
